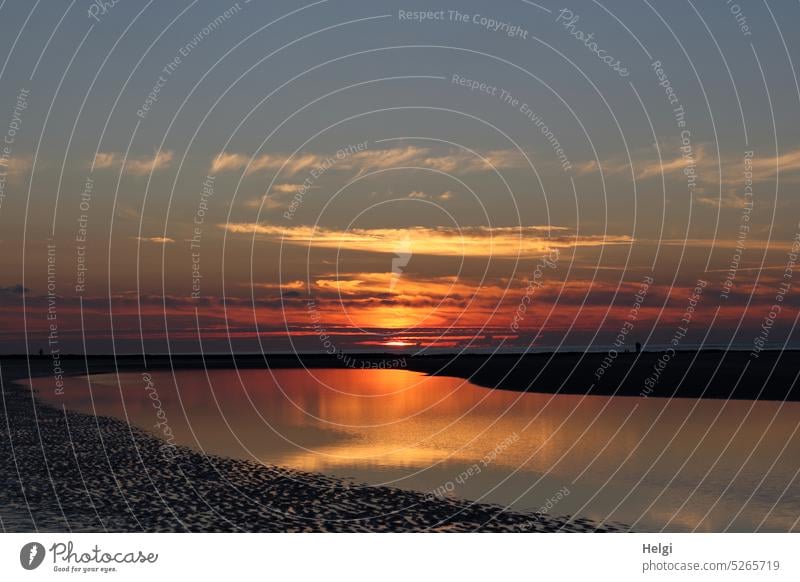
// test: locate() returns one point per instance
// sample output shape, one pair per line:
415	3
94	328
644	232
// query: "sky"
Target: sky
390	176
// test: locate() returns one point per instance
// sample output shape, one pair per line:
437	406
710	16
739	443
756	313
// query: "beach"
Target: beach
65	471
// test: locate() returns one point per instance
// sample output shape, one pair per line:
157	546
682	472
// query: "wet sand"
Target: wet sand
66	471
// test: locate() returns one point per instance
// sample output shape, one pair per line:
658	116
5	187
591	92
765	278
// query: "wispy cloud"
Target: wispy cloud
674	165
155	239
730	243
707	166
103	160
142	166
419	194
295	285
369	160
225	162
729	199
16	167
137	166
499	242
286	188
279	196
765	168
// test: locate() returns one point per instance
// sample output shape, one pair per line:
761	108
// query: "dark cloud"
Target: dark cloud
17	289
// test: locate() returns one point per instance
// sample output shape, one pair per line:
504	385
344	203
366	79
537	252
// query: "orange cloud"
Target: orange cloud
103	160
765	168
286	188
226	162
139	166
155	239
499	242
369	160
143	166
707	168
675	165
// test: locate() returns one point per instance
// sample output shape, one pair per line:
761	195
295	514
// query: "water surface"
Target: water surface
654	463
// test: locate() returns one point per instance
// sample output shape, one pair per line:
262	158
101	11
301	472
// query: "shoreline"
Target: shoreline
707	374
65	471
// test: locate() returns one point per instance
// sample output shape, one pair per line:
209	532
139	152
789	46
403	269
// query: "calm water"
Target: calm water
654	463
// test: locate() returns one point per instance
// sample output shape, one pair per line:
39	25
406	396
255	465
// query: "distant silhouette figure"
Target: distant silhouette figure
41	352
638	347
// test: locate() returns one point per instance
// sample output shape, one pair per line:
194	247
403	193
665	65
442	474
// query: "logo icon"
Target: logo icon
403	254
31	555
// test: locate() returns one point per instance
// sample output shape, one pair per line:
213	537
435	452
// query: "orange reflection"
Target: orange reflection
420	431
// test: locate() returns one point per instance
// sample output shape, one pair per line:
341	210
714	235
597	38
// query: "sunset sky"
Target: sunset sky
221	175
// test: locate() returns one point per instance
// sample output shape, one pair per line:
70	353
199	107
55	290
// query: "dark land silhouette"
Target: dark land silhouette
772	375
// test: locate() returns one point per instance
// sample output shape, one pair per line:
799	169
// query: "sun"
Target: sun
397	344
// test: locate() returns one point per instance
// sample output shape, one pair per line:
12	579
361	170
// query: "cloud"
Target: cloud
675	165
17	289
138	166
103	160
286	188
419	194
16	167
609	167
142	166
765	168
296	285
369	285
706	166
723	243
480	241
728	200
278	197
227	162
266	202
369	160
155	239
